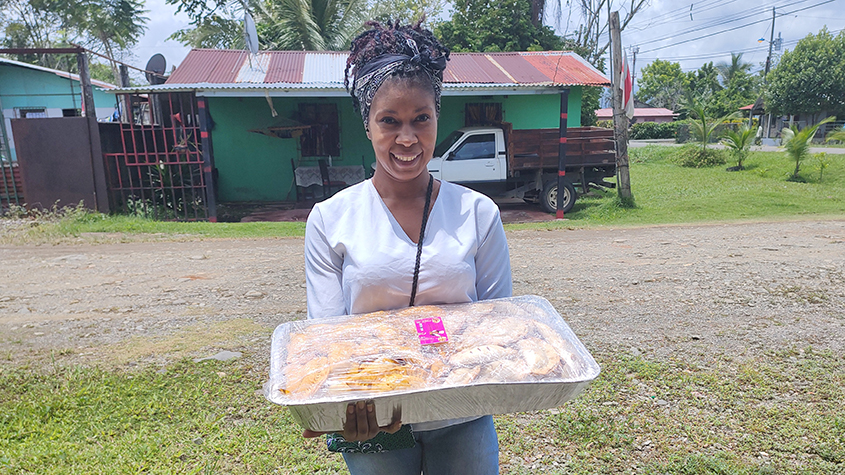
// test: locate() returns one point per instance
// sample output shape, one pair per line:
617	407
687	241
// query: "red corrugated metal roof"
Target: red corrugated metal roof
286	67
564	67
474	68
519	68
552	68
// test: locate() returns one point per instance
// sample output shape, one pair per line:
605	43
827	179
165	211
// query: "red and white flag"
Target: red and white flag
626	83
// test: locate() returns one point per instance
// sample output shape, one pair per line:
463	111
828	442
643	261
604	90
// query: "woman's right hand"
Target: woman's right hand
360	423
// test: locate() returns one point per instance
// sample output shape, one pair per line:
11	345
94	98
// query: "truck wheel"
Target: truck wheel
548	200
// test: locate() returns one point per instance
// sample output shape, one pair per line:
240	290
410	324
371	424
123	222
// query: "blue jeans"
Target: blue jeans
471	448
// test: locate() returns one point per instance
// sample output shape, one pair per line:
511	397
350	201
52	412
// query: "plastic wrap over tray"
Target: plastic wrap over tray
429	363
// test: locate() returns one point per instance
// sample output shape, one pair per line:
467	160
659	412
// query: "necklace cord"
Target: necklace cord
420	241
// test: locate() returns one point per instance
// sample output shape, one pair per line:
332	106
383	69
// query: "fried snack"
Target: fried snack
372	354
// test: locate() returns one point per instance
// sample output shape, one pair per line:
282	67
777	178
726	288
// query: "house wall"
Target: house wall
21	87
536	111
256	167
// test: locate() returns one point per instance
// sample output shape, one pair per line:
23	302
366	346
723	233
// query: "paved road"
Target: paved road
755	148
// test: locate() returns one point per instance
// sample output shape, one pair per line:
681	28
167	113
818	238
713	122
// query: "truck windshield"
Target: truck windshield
444	145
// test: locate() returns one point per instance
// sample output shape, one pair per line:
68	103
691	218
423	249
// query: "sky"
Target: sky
654	29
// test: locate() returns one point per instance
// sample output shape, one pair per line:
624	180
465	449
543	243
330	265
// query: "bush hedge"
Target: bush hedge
653	130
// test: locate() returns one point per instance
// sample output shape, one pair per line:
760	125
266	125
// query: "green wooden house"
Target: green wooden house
276	111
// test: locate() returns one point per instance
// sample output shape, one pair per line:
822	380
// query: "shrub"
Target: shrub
607	124
652	130
694	156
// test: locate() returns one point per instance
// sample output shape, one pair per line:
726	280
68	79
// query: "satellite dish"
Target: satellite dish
158	65
250	34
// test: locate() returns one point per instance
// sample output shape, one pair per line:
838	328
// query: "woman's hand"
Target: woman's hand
360	423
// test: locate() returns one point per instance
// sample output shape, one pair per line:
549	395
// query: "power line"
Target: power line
741	15
734	28
755	49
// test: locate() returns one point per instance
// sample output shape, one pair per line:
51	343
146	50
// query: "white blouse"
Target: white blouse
358	258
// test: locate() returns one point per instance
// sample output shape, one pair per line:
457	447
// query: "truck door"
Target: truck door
474	160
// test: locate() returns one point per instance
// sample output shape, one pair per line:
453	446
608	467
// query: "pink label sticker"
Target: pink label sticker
431	330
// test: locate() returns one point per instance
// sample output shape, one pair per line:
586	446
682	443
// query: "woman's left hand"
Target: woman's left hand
360	423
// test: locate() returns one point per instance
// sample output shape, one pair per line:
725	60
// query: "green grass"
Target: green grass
779	413
664	193
669	194
187	418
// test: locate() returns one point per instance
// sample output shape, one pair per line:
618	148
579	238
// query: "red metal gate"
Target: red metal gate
156	166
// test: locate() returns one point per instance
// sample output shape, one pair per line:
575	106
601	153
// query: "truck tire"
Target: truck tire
548	200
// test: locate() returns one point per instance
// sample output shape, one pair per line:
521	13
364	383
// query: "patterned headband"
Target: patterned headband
371	76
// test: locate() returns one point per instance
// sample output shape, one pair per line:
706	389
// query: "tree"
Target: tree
738	142
703	126
111	27
703	83
734	70
663	84
214	32
39	24
837	135
739	87
797	142
495	25
311	25
406	11
811	78
592	33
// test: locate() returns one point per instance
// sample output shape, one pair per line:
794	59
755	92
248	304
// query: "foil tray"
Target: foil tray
326	413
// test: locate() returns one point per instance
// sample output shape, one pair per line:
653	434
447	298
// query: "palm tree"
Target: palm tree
729	71
797	142
702	127
738	142
838	135
309	25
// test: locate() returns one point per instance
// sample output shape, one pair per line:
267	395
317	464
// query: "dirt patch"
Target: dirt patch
738	289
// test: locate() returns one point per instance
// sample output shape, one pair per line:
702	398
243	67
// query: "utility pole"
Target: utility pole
635	50
766	74
101	202
771	43
620	120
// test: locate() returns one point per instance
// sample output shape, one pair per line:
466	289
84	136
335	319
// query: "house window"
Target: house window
71	112
31	112
484	113
323	137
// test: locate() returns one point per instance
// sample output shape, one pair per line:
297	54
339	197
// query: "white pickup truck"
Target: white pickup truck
501	162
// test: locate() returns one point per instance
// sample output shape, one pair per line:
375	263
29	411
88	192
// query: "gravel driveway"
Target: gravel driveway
658	291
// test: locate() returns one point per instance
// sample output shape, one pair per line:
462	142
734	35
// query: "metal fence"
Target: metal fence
154	168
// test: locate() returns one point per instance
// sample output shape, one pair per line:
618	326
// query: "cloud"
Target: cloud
164	21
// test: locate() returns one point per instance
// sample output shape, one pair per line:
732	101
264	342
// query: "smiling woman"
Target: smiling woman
402	239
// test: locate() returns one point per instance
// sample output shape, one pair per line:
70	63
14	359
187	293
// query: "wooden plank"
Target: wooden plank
538	148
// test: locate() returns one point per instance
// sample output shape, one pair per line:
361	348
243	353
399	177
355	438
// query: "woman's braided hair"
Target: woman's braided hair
393	38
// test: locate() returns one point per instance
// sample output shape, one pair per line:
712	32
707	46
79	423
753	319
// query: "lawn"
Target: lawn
666	193
670	417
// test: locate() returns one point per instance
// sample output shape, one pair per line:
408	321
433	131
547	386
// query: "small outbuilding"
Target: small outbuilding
28	91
